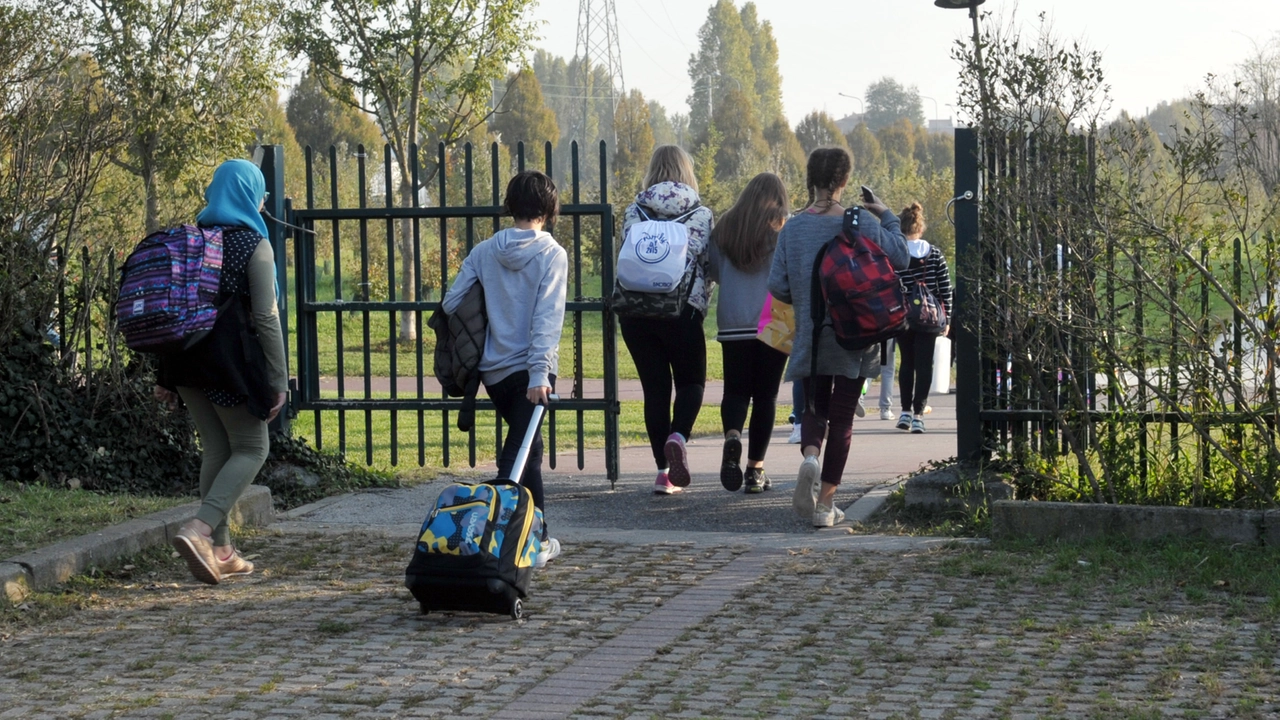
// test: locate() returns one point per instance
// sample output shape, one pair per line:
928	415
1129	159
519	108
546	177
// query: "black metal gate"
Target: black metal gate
345	284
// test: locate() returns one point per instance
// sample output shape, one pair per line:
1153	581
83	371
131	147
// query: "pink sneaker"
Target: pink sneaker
663	486
675	452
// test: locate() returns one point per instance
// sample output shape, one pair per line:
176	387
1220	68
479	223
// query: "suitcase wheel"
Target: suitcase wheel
517	609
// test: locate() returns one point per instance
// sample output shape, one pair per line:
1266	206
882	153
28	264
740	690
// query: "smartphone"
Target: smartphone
867	195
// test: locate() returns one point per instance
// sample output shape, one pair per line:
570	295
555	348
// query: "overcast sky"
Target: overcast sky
1152	50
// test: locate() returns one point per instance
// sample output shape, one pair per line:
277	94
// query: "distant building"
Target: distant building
849	122
942	126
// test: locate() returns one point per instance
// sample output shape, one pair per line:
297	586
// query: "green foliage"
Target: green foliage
722	64
523	115
888	101
818	130
298	474
322	117
99	431
184	76
742	149
633	124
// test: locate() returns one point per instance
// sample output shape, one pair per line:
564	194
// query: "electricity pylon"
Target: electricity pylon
598	46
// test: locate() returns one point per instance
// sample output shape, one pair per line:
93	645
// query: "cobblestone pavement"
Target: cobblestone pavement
326	630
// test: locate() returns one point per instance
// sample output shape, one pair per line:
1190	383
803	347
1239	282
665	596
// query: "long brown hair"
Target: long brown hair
746	234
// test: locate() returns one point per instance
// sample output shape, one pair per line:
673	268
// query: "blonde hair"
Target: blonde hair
912	218
746	234
670	163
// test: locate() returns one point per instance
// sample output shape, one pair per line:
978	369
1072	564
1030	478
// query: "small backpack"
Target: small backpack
925	313
859	289
169	289
653	271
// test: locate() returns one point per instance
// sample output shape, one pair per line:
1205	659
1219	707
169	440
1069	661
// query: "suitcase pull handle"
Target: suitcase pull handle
535	422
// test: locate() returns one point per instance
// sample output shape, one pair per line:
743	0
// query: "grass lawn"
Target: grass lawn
32	516
379	454
380	325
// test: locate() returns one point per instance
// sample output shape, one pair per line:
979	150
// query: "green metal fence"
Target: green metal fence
325	253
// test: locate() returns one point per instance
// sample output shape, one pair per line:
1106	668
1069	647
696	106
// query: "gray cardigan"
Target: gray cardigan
791	278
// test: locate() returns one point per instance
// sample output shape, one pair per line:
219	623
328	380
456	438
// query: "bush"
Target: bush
299	474
101	432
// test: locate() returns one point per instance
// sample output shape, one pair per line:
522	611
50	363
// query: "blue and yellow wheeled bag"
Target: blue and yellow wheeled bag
477	549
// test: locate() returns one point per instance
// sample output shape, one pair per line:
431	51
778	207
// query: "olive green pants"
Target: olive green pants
233	446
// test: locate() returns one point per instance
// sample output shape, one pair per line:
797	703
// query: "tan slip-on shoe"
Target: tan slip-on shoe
234	565
198	552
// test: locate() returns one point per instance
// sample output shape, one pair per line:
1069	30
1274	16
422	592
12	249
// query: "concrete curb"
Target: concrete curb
1088	521
870	503
55	564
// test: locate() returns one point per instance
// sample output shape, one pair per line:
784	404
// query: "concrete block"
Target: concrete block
55	564
1085	521
15	580
1271	528
954	487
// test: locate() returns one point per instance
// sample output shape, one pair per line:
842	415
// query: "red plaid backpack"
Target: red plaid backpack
859	290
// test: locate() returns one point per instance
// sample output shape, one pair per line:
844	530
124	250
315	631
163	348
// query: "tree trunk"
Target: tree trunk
408	268
153	201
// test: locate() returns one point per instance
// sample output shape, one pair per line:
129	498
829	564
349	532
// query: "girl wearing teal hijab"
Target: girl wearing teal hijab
229	396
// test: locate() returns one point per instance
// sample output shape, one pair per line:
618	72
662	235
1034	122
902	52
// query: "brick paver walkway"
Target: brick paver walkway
689	631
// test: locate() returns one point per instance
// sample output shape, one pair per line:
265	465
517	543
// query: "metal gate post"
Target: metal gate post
969	265
272	167
612	454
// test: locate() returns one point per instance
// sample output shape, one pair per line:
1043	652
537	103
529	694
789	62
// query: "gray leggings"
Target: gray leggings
234	445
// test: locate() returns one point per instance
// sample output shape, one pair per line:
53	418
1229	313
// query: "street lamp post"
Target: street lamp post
935	105
972	6
861	111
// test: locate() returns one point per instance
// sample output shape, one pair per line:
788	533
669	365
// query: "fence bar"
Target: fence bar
417	297
393	326
442	169
364	314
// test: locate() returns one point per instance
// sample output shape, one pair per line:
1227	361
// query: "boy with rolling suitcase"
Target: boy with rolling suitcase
523	273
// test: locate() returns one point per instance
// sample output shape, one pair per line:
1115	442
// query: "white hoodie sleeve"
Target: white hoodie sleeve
548	319
461	284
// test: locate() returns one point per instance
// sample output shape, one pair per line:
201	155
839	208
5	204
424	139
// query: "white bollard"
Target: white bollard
941	366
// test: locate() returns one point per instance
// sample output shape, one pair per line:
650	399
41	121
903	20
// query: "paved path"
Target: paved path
688	630
706	604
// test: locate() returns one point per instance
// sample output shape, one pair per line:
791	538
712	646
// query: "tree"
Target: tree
816	130
869	163
888	101
722	64
273	129
179	72
523	115
320	121
633	126
415	66
664	131
899	142
786	156
764	60
742	148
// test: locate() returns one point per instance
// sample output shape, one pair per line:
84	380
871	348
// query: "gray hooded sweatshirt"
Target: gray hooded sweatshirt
525	276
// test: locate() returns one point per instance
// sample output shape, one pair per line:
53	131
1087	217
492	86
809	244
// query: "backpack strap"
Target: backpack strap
817	313
678	218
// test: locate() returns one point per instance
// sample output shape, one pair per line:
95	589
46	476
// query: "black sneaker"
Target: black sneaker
757	481
731	464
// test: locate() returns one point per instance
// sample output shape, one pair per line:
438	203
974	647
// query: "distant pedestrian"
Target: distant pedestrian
888	349
742	246
524	273
672	351
231	390
836	390
915	375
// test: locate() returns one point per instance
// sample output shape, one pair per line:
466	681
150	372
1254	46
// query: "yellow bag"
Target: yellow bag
777	327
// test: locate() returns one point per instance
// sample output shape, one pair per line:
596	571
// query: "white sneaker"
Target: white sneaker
550	551
824	516
795	435
860	411
807	480
886	414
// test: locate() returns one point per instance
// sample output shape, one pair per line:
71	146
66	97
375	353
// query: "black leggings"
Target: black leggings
666	352
915	375
752	373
